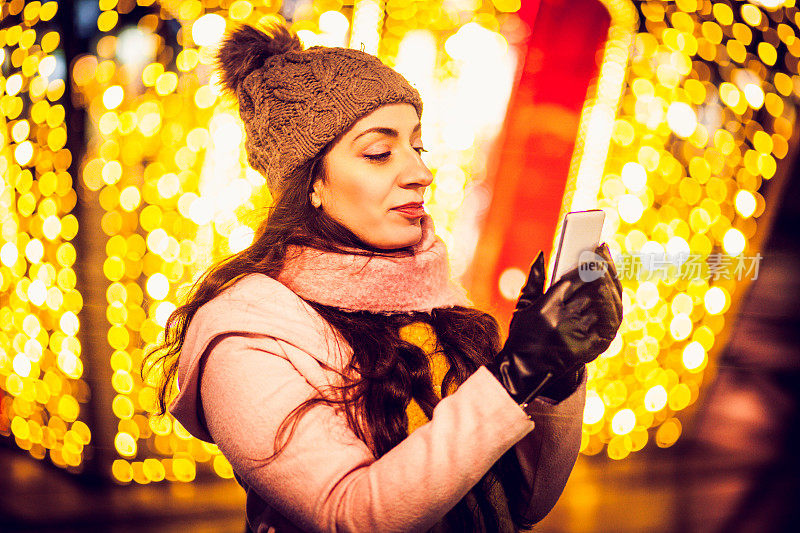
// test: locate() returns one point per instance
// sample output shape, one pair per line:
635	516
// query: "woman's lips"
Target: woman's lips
411	210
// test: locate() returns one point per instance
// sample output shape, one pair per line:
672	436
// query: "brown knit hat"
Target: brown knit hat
294	101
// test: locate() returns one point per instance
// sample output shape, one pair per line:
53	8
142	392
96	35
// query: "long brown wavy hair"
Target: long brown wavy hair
391	371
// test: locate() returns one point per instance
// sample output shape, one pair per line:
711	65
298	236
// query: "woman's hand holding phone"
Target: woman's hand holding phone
554	333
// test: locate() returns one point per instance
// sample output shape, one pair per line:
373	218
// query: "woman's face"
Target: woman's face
375	167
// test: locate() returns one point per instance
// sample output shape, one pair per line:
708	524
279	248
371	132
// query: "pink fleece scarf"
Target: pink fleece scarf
381	284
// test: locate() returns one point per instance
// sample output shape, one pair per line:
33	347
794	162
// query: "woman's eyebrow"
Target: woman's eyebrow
390	132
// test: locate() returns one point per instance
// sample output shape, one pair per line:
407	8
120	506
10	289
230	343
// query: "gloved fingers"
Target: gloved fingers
605	253
576	329
534	286
599	345
585	323
575	288
603	299
576	306
596	343
607	288
574	319
562	290
607	328
601	317
567	286
611	268
613	295
610	311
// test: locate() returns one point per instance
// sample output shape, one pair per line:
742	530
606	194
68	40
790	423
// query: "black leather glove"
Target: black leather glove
553	334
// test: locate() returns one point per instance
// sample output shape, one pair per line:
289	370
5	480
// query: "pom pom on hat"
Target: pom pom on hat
247	48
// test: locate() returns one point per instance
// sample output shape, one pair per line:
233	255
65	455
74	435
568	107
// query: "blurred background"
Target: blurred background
124	177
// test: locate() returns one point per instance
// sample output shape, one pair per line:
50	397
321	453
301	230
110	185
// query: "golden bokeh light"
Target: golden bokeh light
704	120
41	364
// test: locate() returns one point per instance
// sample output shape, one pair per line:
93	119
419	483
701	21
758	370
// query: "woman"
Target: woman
298	356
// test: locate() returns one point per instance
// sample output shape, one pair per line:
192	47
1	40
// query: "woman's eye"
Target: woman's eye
385	155
378	157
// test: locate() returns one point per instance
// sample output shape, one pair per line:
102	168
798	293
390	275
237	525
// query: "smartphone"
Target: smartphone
580	232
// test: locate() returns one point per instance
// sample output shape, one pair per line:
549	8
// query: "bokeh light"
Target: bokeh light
704	121
43	397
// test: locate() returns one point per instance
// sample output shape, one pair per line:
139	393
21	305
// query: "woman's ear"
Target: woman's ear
318	172
315	195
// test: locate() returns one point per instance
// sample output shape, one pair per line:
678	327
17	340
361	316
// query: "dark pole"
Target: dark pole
89	243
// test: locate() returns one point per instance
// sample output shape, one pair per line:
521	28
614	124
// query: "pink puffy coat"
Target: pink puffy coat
257	350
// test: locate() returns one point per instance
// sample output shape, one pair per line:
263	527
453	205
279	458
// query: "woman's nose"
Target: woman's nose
416	171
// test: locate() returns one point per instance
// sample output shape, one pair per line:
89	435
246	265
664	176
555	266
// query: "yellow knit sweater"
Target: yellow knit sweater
421	334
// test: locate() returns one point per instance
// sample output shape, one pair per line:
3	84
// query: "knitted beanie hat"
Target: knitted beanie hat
294	101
